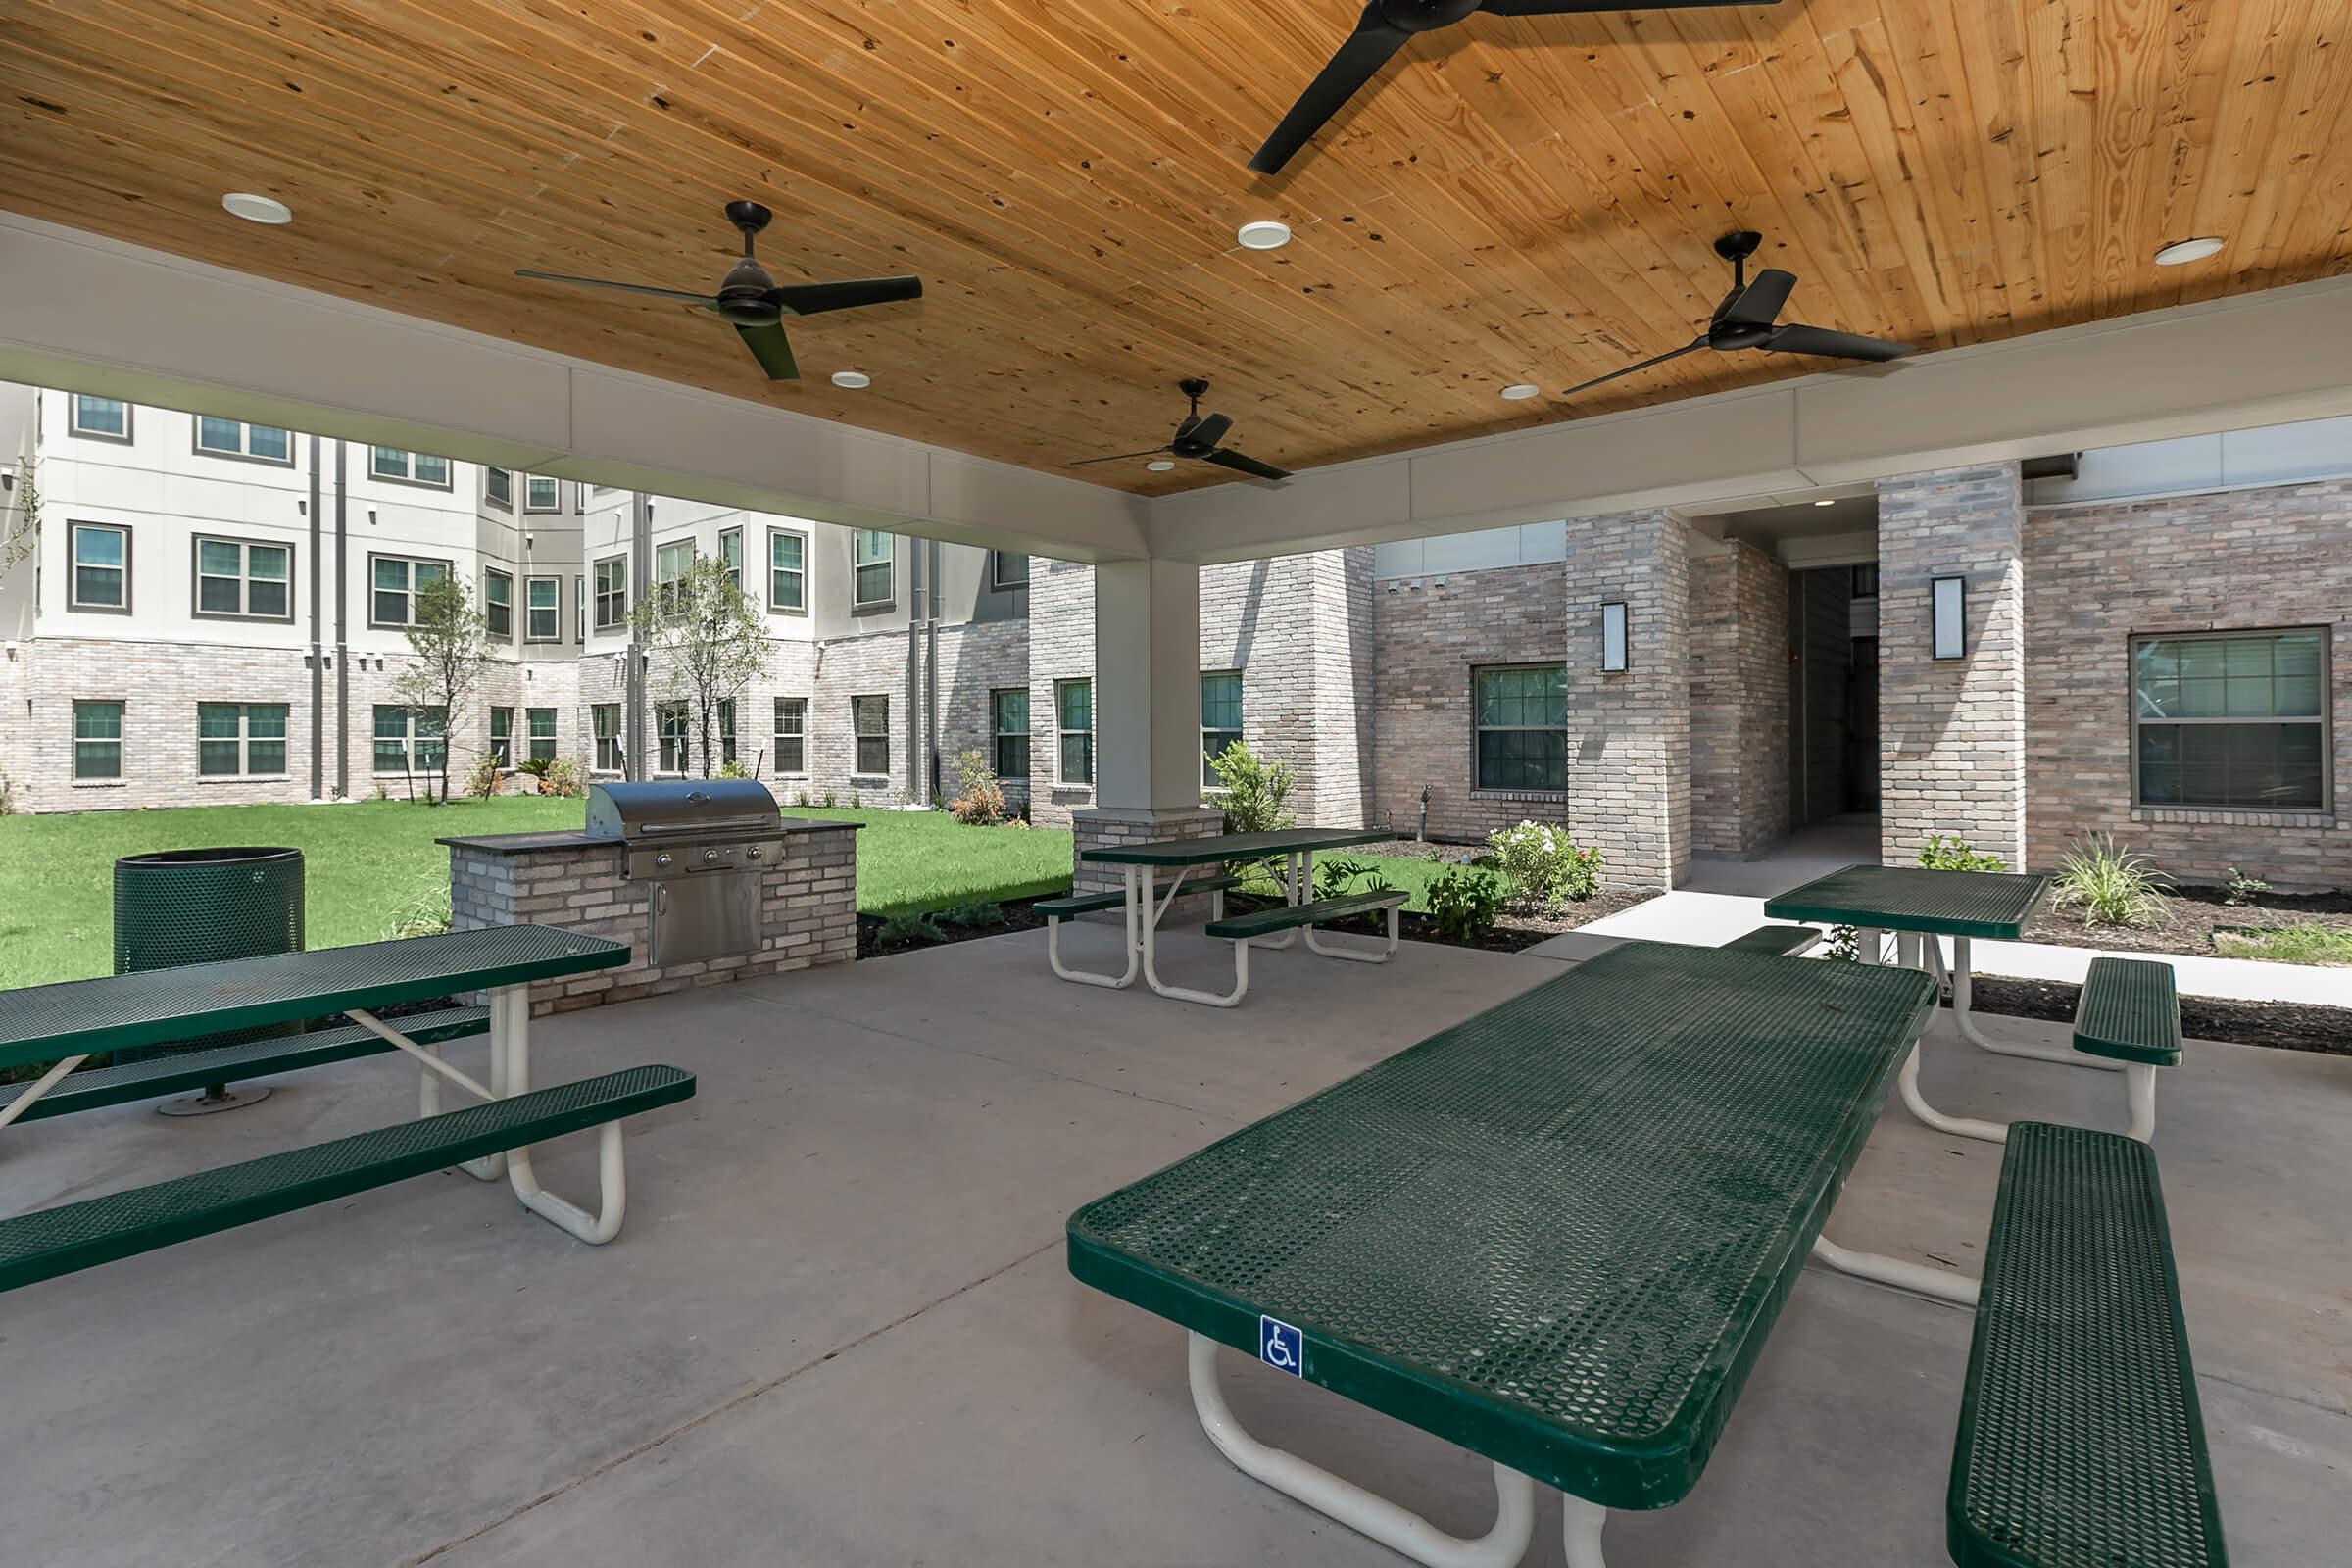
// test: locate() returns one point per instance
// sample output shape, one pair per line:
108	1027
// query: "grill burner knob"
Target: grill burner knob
753	853
709	856
662	861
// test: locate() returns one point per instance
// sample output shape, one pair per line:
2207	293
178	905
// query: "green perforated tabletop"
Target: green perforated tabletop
158	1006
1555	1234
1236	846
2130	1012
1898	898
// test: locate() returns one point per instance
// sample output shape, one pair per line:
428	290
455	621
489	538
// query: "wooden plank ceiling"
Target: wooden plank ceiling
1515	200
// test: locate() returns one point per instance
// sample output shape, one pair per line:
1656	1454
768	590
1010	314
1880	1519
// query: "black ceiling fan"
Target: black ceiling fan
1748	316
1201	439
752	303
1388	25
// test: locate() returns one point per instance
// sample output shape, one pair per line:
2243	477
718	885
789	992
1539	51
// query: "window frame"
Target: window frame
75	427
555	495
409	739
734	566
1209	775
448	482
245	578
244	740
999	734
601	738
860	738
491	606
1062	735
860	605
1478	782
504	503
664	738
775	606
799	736
74	599
579	609
447	570
996	572
500	745
724	723
245	452
530	609
620	592
531	738
670	592
2324	720
121	713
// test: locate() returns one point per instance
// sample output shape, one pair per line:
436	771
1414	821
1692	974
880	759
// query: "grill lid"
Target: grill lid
669	807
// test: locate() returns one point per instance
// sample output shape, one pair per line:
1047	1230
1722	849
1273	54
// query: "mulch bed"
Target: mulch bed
2283	1025
1019	915
2185	921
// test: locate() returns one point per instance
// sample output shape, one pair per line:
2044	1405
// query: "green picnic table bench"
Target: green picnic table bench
69	1021
1556	1233
2129	1012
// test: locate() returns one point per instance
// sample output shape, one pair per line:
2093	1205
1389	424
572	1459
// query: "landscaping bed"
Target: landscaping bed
2281	1025
2185	921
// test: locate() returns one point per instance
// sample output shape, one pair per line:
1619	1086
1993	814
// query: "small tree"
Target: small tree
709	638
21	517
450	642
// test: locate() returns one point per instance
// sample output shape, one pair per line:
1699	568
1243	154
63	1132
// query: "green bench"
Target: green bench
51	1241
1777	940
1243	930
1072	904
2129	1012
254	1058
2080	1440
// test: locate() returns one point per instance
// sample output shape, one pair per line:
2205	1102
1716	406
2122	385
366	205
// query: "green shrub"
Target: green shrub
1256	796
980	799
2244	889
731	768
1942	853
1336	874
1844	944
423	914
481	779
564	778
908	930
1543	866
975	916
1464	904
2110	885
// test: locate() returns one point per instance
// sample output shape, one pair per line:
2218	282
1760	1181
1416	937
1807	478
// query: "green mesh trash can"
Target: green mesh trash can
181	907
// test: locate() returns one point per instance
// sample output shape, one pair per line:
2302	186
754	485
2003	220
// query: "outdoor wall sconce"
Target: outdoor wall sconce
1951	617
1612	638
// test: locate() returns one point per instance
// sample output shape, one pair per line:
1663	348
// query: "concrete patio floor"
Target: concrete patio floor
838	1329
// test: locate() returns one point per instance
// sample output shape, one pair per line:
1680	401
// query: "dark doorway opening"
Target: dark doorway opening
1833	692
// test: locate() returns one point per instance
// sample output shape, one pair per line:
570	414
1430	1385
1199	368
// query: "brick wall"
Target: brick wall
1299	631
1952	732
1629	734
1061	647
1739	734
2098	575
975	660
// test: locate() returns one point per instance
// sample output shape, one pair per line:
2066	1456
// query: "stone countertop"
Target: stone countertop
581	839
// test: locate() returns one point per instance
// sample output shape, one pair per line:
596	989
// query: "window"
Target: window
408	467
1009	715
1007	570
498	487
1074	710
97	740
542	721
250	582
730	550
871	568
502	736
792	734
580	609
410	740
726	729
498	602
605	720
1865	582
543	610
669	722
672	566
1220	719
2236	720
869	716
611	592
228	438
1522	719
787	570
542	494
108	419
101	568
241	739
398	581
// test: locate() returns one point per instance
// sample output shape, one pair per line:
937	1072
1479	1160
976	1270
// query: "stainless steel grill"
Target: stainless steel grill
703	845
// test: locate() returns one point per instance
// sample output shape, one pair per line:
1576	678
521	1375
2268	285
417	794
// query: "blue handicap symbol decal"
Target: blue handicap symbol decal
1281	1347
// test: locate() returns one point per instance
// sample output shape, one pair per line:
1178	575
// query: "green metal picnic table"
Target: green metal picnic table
1141	865
1556	1233
75	1018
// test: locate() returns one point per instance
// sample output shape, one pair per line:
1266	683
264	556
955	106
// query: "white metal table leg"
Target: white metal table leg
1086	977
1895	1272
1579	1531
39	1086
1291	897
2139	1093
510	1037
1398	1529
1240	965
1962	979
1359	955
1907	1081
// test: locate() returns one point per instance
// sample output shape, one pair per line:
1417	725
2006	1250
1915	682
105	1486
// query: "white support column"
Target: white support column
1146	709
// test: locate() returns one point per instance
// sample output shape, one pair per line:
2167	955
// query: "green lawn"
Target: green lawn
362	862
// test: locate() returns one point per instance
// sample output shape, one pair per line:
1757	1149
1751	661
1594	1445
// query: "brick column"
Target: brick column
1738	701
1952	732
1629	733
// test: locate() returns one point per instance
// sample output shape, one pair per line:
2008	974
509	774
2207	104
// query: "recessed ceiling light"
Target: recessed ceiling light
1162	467
1521	392
257	209
1827	501
1265	235
2188	250
852	380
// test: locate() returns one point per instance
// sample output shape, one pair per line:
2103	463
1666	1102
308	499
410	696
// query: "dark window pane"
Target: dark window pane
267	441
218	596
265	599
266	756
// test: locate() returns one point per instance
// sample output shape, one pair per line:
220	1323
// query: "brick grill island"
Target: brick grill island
808	906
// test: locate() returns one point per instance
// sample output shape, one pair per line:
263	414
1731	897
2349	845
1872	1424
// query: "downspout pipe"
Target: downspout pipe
342	620
931	675
317	627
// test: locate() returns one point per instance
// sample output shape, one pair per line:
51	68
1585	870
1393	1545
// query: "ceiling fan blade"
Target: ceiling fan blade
772	349
1656	359
1358	61
625	288
1209	432
807	299
1798	338
1124	456
1759	304
1242	463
